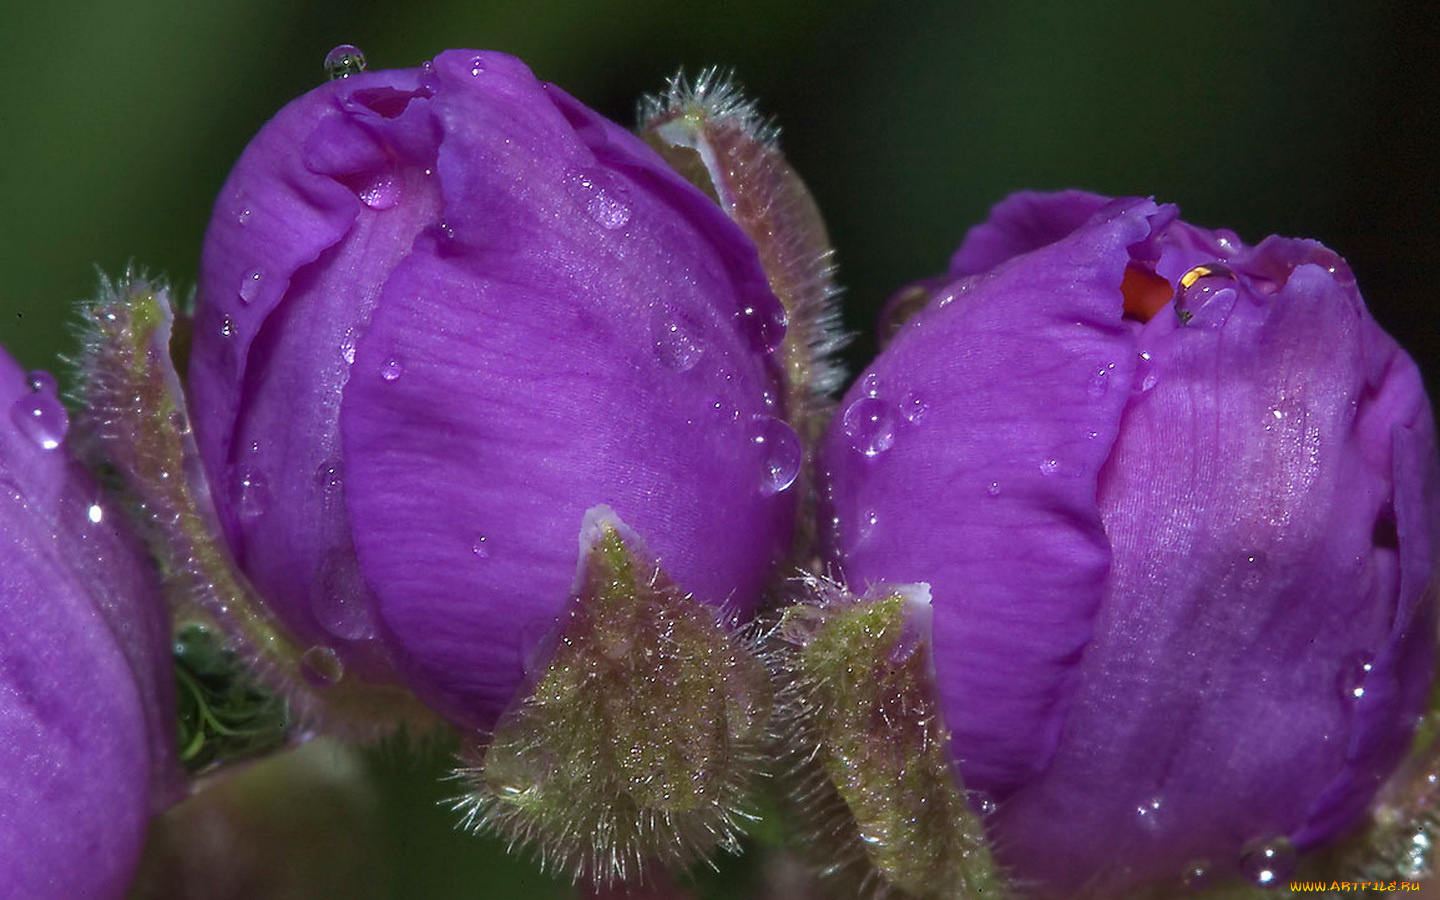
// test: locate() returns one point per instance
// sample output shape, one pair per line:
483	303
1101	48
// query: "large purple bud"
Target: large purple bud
442	313
87	717
1176	499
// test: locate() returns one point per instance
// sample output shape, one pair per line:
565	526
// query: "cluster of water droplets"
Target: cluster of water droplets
676	347
602	196
1269	862
39	415
1353	675
873	424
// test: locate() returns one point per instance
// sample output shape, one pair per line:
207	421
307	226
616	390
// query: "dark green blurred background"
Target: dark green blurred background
908	119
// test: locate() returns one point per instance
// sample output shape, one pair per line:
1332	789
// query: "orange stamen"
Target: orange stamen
1145	293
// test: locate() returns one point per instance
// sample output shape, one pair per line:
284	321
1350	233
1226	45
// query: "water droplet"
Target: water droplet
914	408
993	489
1202	286
1145	375
321	666
765	326
870	384
344	61
868	521
382	193
327	476
601	195
1198	875
347	347
1049	466
42	418
1253	570
1100	381
252	491
392	369
477	66
780	453
674	346
870	424
338	599
41	381
1353	675
1149	813
95	513
250	285
227	327
480	547
243	216
1267	863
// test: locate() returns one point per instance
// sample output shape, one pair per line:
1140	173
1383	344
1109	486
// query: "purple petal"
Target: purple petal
1256	592
513	377
989	496
86	712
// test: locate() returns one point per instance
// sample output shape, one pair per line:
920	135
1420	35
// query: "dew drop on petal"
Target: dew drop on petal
227	327
870	424
392	369
1353	675
477	66
914	408
601	195
765	326
993	489
674	346
321	666
1100	380
1049	466
870	384
41	417
252	493
327	476
344	61
780	453
382	193
1267	863
41	381
337	597
1145	375
1198	875
250	285
480	546
347	347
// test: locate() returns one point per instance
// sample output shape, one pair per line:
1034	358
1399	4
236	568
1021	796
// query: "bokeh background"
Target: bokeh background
908	119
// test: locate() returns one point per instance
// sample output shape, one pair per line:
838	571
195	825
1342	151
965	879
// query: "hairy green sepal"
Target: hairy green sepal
712	136
870	748
137	435
639	741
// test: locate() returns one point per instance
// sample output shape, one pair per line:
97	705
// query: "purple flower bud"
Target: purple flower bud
1177	501
87	720
442	313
